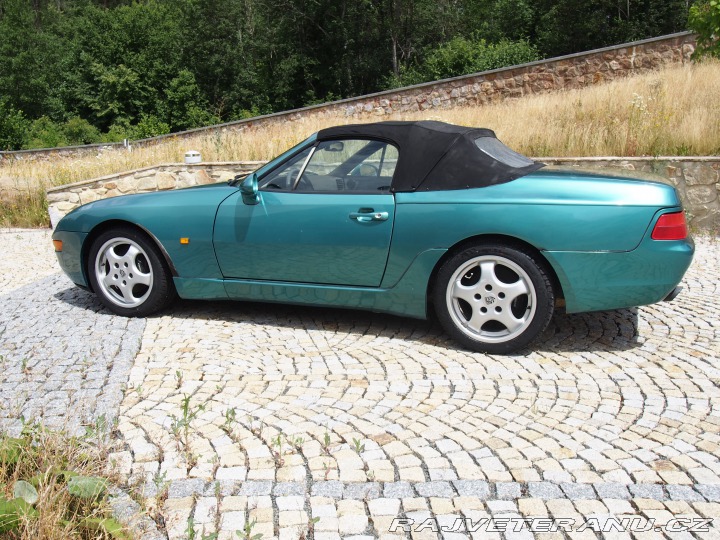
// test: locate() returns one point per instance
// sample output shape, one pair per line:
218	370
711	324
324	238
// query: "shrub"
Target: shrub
44	133
13	127
461	56
79	131
149	126
704	19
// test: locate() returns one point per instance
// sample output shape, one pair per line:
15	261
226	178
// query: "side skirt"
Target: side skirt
408	297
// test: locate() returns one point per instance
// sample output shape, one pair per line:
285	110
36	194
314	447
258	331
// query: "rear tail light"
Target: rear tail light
670	227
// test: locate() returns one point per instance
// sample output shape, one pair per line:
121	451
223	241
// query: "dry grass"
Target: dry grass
46	459
24	209
670	112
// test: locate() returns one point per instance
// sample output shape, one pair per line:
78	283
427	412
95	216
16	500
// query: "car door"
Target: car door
324	216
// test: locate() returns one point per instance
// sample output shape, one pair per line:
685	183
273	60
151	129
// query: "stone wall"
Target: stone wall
696	178
571	71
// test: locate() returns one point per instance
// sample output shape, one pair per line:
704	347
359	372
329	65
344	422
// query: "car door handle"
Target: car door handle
365	217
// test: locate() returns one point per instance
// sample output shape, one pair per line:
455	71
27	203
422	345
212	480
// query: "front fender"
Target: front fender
167	217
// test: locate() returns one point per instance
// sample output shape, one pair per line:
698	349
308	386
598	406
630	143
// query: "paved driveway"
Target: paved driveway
274	415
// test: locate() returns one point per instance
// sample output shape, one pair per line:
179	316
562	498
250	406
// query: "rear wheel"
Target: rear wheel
493	298
128	274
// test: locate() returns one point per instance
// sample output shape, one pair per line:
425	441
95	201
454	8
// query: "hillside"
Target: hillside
669	112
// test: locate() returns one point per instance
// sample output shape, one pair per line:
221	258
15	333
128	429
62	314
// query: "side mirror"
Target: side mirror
249	190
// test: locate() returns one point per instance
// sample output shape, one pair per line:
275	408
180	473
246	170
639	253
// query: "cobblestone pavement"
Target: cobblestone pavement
272	415
276	415
28	256
63	358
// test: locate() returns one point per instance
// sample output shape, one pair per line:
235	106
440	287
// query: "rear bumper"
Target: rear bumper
613	280
673	294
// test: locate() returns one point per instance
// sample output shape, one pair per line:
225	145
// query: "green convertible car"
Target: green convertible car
396	217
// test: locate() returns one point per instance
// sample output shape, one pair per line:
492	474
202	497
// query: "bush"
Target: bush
44	133
79	131
149	126
13	127
461	56
704	19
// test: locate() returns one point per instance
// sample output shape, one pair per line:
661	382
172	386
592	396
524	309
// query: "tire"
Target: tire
140	284
493	298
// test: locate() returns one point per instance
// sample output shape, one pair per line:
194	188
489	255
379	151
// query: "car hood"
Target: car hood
135	207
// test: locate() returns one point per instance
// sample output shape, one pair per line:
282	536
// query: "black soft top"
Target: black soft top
435	156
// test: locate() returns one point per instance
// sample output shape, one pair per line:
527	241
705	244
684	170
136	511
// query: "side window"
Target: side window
284	176
359	165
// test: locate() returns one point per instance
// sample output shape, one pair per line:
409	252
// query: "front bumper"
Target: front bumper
71	256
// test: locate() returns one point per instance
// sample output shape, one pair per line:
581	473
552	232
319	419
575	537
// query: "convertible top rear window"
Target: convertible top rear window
497	150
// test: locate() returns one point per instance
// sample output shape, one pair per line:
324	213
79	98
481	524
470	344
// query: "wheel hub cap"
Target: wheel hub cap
491	299
123	272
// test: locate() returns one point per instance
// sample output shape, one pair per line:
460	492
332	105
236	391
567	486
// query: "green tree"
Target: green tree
461	56
30	56
508	19
74	68
44	133
79	131
125	58
148	126
184	104
567	26
220	41
13	127
705	21
119	94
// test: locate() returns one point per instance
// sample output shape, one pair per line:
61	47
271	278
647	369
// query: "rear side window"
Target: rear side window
499	152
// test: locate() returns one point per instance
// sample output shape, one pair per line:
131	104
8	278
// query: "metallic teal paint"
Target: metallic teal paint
69	258
304	248
168	216
599	281
304	237
200	288
407	297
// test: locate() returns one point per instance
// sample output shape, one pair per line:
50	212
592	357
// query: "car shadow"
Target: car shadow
82	299
596	331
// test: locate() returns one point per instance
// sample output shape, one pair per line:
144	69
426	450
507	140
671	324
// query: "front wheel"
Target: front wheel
493	298
128	274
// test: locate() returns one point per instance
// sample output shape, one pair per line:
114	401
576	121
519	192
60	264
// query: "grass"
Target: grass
25	210
53	486
668	112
